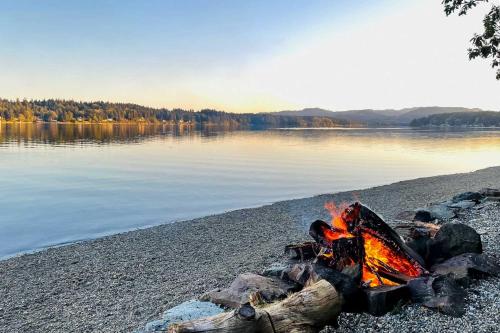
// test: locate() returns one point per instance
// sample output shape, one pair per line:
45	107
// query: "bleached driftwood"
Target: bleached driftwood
309	310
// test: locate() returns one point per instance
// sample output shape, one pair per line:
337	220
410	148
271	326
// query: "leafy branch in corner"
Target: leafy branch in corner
485	45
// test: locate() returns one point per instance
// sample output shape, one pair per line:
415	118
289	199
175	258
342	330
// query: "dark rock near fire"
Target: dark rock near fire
464	204
381	300
420	245
449	297
467	266
451	240
417	235
249	287
469	196
490	192
421	289
439	293
347	285
423	215
440	212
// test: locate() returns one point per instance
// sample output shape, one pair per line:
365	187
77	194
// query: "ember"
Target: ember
379	251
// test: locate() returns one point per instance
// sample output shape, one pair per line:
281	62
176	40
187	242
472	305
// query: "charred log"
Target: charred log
381	300
303	251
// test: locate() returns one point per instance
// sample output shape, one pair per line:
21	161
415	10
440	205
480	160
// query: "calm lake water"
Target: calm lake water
62	183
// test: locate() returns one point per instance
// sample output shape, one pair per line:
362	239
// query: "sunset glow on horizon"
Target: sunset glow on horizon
244	56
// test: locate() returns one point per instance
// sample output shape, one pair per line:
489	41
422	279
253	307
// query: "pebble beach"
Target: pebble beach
120	282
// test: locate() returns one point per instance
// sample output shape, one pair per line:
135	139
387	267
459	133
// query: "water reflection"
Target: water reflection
127	176
89	134
55	133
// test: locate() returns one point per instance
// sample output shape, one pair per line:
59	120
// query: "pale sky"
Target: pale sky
244	56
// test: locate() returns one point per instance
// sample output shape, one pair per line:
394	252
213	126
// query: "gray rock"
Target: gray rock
473	196
464	204
155	326
451	240
442	212
189	310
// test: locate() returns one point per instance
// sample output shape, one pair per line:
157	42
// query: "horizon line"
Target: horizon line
13	100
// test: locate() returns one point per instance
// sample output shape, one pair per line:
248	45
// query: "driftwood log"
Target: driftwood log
309	311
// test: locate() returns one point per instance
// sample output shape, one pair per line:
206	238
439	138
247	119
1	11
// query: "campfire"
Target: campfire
356	263
358	238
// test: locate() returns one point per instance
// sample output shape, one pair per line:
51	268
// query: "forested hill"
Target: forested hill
71	111
371	117
460	119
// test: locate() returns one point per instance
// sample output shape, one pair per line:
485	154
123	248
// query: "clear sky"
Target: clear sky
239	56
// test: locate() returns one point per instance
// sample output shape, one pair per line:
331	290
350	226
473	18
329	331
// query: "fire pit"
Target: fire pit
359	240
357	263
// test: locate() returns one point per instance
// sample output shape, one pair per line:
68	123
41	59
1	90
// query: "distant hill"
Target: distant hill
370	117
68	111
460	119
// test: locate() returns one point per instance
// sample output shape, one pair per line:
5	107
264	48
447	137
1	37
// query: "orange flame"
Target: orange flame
336	213
378	257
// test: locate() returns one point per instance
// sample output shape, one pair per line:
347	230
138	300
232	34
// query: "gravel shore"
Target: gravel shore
120	282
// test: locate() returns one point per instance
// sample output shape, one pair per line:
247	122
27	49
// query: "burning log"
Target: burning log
358	236
309	310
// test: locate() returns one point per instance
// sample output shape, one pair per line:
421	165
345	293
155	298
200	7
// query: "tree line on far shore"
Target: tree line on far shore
97	112
460	119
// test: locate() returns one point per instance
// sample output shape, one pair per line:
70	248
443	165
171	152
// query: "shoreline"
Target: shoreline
150	226
195	125
119	282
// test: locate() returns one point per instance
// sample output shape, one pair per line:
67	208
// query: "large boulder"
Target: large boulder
439	293
467	266
451	240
